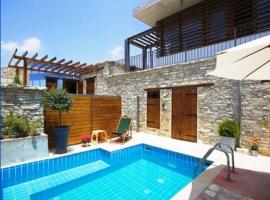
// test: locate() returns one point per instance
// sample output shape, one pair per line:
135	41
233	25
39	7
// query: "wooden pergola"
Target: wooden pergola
53	66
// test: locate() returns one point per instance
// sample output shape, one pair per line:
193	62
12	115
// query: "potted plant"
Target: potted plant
85	140
229	131
59	100
254	147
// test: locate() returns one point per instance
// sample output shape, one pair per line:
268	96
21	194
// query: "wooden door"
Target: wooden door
184	113
80	87
70	85
90	86
51	83
153	109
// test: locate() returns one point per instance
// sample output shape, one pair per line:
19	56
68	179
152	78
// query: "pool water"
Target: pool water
139	180
138	172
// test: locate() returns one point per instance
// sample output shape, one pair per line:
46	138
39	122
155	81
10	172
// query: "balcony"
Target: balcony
148	59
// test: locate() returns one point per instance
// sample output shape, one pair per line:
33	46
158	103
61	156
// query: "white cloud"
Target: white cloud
31	45
117	53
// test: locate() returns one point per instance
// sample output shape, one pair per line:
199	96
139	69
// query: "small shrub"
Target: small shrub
16	126
34	127
17	79
254	147
255	144
229	128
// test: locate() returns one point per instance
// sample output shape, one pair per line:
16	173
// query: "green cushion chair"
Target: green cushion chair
123	129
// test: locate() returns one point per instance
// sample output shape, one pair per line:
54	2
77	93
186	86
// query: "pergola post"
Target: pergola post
151	58
25	71
144	57
127	55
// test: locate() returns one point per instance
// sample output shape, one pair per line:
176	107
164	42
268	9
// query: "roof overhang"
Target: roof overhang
155	10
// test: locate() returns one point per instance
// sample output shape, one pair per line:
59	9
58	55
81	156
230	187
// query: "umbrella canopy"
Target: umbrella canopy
249	61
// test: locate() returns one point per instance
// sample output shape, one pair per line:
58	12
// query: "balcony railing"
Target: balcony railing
136	62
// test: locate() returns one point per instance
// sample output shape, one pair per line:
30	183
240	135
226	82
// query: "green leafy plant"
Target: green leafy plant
17	80
35	126
16	126
229	128
58	100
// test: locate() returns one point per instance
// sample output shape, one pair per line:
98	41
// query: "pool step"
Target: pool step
27	189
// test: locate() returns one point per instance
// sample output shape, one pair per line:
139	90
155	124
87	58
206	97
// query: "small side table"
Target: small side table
102	133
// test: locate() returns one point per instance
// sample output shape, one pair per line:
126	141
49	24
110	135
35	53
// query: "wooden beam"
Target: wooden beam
9	63
40	60
19	60
68	62
60	61
76	68
47	62
74	64
31	59
52	66
69	67
42	70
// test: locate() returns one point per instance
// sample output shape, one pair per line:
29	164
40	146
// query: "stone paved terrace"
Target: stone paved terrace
252	173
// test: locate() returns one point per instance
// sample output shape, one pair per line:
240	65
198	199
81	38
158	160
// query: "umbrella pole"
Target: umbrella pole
239	108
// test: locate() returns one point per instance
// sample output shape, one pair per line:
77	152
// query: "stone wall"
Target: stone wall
8	74
255	119
215	103
132	85
22	101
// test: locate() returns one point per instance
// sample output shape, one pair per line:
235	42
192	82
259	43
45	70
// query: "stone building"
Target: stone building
217	99
166	90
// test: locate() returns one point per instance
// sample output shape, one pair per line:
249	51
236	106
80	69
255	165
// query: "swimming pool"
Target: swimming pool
137	172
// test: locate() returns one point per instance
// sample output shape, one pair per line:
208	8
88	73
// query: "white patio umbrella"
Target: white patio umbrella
249	61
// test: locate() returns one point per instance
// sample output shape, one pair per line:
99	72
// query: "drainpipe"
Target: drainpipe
239	107
138	114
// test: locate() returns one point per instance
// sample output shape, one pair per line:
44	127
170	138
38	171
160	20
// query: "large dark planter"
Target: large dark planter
61	137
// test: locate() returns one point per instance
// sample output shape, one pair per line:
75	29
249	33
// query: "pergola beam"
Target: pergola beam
42	70
19	60
9	63
76	68
52	66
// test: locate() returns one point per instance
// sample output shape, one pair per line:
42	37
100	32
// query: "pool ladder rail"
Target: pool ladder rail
218	147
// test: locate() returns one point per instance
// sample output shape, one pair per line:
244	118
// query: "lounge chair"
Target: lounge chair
123	129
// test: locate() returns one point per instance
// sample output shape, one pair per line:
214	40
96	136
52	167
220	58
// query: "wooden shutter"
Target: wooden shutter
153	109
80	87
51	83
90	86
262	15
191	27
244	20
215	19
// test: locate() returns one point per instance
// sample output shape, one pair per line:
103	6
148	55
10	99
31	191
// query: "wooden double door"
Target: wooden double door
184	113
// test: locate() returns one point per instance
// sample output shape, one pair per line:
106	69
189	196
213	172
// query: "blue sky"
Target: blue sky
82	30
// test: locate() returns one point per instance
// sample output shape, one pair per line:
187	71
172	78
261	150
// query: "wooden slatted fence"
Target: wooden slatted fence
89	112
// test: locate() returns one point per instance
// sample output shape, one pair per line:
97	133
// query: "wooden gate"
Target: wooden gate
184	113
88	113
